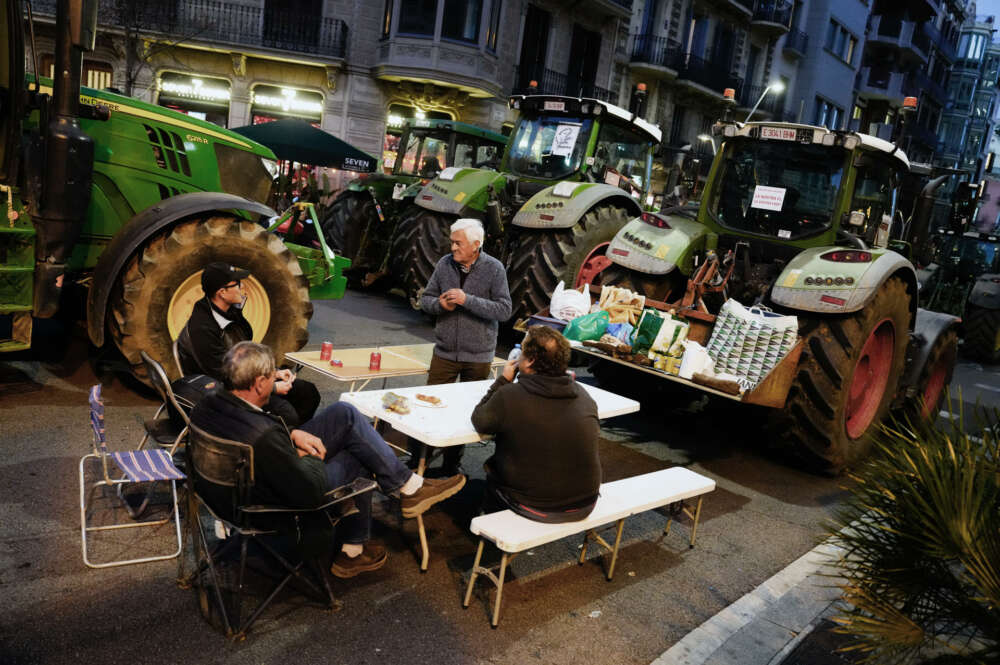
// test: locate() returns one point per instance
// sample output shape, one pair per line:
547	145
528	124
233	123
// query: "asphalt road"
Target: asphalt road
763	515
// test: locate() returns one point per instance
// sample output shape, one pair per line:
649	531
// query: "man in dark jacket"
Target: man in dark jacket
297	467
546	465
469	296
217	323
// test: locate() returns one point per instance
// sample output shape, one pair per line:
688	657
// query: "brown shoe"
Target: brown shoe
372	557
434	490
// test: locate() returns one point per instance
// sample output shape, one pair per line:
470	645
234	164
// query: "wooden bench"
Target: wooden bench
620	499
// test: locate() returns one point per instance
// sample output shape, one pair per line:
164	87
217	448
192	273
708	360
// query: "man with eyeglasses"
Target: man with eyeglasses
217	324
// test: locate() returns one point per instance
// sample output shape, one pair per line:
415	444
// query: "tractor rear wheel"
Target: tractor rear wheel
541	258
162	280
935	376
982	334
846	381
422	238
339	224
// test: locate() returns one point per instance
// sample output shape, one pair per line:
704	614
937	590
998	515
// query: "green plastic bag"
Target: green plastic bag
588	326
645	333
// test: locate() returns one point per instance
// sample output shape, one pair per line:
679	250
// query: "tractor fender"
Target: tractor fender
986	292
790	289
561	206
653	250
460	191
140	228
927	328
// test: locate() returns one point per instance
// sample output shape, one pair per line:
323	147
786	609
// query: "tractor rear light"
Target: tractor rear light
654	220
847	256
995	280
840	302
839	281
547	218
427	198
808	281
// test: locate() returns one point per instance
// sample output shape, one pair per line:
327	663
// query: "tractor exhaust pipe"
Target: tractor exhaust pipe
637	103
922	216
68	158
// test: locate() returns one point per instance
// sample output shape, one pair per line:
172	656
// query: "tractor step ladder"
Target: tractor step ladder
17	269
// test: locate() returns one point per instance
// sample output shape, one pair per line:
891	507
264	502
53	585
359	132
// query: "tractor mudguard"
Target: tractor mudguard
927	328
657	251
986	292
137	230
459	191
858	281
561	206
411	191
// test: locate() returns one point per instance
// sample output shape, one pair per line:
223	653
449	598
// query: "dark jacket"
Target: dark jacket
469	332
546	441
203	343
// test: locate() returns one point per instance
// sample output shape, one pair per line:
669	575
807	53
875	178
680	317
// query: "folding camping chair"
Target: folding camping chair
136	467
222	480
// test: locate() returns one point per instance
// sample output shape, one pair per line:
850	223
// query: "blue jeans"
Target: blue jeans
355	450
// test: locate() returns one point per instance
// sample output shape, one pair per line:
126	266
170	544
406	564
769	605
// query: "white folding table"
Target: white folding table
450	424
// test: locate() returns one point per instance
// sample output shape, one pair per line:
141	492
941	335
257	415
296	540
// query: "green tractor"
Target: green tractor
361	221
574	171
126	202
800	219
964	280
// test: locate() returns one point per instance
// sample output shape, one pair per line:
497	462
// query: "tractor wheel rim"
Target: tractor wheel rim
257	310
871	375
935	384
592	266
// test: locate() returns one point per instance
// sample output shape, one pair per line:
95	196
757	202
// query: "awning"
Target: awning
296	140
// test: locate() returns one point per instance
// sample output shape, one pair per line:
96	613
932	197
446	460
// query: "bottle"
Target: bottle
515	353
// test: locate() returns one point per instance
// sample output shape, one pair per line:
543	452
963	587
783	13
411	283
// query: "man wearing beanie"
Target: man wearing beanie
217	324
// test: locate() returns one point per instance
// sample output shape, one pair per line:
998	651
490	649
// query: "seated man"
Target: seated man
297	467
217	323
546	466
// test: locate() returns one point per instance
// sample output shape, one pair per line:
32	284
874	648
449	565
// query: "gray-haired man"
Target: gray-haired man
468	293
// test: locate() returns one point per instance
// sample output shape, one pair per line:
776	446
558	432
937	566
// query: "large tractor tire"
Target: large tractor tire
541	258
162	280
982	334
846	381
422	238
665	288
338	224
935	376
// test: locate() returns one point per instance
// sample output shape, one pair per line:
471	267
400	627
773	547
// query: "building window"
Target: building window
827	114
417	17
96	75
493	28
461	20
387	19
841	42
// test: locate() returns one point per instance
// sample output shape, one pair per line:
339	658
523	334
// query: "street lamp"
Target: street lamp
706	137
777	87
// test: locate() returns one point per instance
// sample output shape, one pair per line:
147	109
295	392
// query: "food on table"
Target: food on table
396	403
428	398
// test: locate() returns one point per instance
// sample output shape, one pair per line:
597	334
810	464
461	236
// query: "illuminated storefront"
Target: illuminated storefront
271	102
198	96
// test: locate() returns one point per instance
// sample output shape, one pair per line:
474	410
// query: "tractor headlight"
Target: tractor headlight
271	166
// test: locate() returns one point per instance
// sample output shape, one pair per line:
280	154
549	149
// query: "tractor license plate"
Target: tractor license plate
555	106
780	133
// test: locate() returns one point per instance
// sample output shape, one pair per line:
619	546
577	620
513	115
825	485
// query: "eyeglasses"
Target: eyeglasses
229	286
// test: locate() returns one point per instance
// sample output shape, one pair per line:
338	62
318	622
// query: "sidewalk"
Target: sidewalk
772	624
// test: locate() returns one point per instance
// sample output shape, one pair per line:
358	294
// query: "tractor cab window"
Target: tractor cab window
779	189
549	147
978	256
874	186
426	153
476	153
623	151
488	156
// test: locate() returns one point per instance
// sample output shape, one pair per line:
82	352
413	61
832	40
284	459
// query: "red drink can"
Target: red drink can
375	363
326	351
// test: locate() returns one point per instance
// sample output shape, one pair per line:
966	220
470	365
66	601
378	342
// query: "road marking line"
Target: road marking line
987	387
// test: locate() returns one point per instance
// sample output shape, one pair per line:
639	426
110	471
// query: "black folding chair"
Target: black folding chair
221	474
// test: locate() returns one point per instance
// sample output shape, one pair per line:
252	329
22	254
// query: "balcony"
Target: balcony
796	43
948	50
218	23
657	56
882	83
741	9
772	104
612	8
553	83
922	82
404	59
771	18
906	36
700	75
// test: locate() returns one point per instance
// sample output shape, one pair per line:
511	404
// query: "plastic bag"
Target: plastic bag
645	333
749	342
589	326
622	331
567	304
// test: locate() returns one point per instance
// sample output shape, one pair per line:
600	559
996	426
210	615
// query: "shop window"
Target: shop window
417	17
461	20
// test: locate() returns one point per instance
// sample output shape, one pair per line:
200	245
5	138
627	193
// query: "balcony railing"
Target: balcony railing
937	38
222	22
658	51
705	73
797	41
772	103
904	34
553	83
771	11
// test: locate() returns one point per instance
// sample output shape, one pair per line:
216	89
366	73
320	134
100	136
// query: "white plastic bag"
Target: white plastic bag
567	304
696	360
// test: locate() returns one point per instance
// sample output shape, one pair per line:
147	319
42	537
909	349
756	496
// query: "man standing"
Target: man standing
468	293
217	323
298	467
546	465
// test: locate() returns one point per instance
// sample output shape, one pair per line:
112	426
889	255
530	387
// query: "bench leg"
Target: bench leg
475	573
614	553
596	537
694	517
496	607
